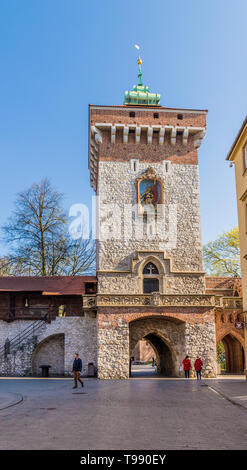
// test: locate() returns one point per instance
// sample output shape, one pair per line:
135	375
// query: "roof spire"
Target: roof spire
140	95
139	62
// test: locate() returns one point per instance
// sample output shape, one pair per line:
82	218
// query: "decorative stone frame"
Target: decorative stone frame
160	276
148	175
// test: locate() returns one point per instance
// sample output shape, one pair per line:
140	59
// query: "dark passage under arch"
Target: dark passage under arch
162	354
165	362
234	354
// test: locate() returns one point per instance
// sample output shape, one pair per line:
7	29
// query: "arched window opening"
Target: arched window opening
150	281
150	268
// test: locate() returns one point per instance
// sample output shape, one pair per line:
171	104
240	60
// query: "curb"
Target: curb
17	398
226	397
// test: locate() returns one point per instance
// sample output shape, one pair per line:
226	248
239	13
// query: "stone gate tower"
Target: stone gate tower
143	161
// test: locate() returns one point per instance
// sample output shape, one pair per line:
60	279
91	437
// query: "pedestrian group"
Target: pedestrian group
77	368
197	365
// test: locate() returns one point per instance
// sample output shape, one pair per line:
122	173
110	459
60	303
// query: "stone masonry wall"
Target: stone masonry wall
200	339
18	363
184	333
113	347
80	335
122	283
180	235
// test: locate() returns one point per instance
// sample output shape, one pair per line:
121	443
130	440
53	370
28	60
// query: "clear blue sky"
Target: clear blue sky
57	56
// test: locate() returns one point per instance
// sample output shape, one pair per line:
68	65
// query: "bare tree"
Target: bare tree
38	238
82	256
5	266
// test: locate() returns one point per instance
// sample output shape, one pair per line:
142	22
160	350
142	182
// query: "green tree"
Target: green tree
222	256
37	234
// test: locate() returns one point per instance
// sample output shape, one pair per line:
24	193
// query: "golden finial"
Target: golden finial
139	61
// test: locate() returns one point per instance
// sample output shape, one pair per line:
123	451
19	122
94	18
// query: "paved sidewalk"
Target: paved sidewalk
121	414
234	389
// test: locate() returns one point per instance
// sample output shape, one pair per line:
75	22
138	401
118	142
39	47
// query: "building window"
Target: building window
180	116
150	281
90	288
245	157
150	268
132	114
150	285
156	115
134	165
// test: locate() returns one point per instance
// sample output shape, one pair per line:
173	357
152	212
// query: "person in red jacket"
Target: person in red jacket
187	367
198	367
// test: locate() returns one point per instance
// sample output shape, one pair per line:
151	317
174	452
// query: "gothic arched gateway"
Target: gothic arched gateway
234	353
165	335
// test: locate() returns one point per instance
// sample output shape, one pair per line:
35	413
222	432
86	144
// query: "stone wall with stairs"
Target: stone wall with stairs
79	333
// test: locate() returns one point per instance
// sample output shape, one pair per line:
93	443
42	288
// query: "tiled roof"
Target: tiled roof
214	282
224	285
236	139
54	285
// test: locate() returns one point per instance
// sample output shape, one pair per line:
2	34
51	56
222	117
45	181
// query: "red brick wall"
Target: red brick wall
131	314
143	115
183	154
179	153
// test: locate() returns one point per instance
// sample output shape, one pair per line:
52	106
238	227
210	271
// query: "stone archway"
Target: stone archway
234	354
50	351
166	336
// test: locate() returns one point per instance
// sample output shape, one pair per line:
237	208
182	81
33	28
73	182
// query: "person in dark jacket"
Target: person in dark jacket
77	367
187	367
198	368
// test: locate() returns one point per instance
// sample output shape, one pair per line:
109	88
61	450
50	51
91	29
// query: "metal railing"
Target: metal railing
31	330
37	312
28	333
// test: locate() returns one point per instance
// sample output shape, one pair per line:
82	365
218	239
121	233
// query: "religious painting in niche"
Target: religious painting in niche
149	191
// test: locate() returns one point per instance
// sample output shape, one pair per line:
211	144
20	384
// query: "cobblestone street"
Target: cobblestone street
139	413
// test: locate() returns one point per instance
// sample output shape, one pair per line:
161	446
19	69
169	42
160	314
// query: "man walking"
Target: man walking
77	367
198	368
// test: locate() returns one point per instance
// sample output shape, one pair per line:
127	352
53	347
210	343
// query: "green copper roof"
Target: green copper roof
140	95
